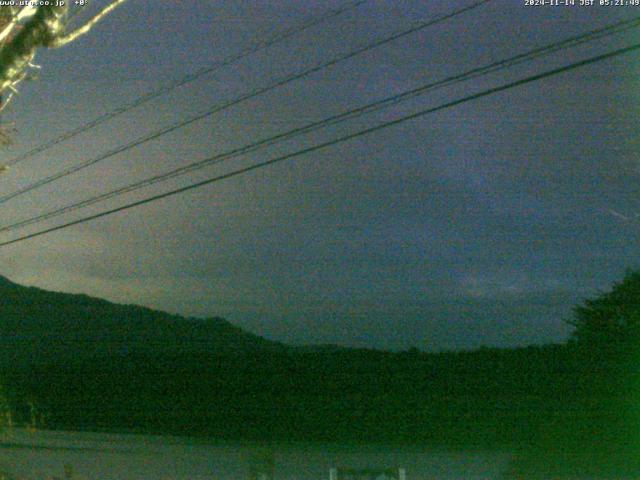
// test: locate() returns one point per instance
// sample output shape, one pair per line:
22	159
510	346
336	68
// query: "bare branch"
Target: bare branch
45	26
70	37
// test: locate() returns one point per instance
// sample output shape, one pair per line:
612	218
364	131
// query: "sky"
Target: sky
479	225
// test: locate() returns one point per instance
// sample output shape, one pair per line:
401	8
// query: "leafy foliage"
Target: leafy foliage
611	321
6	414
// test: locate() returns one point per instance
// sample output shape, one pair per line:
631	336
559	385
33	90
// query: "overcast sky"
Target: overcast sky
482	224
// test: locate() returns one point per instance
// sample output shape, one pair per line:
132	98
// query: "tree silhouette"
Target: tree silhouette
611	321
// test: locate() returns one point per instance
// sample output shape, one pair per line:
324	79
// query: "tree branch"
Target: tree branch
39	31
70	37
46	28
25	12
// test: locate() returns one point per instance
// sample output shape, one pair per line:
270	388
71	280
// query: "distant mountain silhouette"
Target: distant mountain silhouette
37	325
89	364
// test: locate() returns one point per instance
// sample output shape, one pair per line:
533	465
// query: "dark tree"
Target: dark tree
611	321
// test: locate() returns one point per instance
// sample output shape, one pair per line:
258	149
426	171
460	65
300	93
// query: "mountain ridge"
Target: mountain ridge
42	325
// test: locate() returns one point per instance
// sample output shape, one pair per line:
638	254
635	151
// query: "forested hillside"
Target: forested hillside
90	364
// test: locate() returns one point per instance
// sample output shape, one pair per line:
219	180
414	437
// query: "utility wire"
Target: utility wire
245	52
320	146
341	117
223	106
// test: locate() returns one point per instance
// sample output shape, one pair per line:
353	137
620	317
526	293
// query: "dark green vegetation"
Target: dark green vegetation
90	364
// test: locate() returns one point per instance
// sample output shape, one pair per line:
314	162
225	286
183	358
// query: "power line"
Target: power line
253	94
247	51
305	151
530	55
344	116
